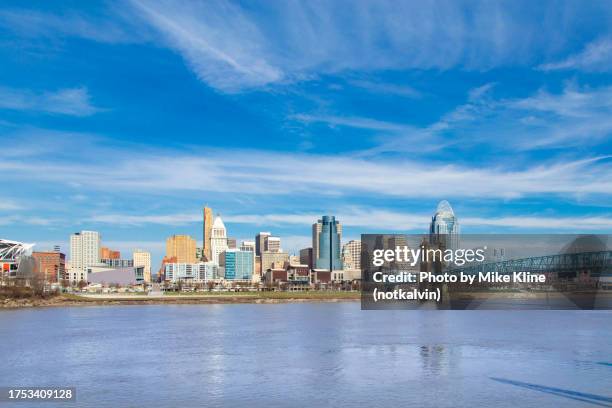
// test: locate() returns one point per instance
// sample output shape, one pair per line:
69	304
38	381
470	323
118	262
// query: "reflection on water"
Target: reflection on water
310	355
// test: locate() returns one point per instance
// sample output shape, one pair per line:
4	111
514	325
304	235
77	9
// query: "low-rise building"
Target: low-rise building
196	272
119	276
238	265
117	262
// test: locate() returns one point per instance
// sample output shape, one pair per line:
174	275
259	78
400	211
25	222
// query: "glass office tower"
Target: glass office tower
329	244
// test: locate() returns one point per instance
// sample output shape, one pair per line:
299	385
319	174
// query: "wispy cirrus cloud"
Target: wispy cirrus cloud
595	57
575	116
68	101
276	173
372	218
232	47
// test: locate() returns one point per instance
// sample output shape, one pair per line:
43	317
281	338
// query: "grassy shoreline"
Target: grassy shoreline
183	298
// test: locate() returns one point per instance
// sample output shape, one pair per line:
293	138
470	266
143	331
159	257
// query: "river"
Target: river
309	354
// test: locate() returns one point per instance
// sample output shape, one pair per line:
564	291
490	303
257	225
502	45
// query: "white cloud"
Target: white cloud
14	219
216	38
596	56
69	101
372	218
232	48
576	116
9	205
138	170
123	219
386	89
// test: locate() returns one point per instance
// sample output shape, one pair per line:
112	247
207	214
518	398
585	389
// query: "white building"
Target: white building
143	258
197	272
218	239
84	252
351	255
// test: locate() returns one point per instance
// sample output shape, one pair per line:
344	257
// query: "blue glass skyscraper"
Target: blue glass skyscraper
329	236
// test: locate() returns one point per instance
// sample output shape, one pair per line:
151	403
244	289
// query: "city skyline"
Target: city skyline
120	123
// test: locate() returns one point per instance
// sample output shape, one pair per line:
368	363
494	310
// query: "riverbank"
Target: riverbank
212	298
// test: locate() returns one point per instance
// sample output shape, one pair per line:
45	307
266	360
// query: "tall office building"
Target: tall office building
181	247
272	244
238	264
260	242
326	239
207	232
143	258
316	231
444	227
84	252
351	255
306	257
218	239
50	265
250	247
231	243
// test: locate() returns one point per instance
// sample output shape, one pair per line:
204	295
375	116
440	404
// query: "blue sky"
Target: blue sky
127	117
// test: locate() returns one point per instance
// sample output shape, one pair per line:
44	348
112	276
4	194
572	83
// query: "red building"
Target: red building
51	266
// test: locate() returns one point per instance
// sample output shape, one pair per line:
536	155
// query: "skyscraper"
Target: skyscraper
316	231
250	247
306	257
218	239
327	233
444	227
272	244
143	258
207	232
260	242
181	247
84	252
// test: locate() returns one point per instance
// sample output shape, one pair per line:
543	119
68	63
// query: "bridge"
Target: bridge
567	265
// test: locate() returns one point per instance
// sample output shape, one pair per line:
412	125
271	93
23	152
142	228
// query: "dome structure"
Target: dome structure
444	227
444	208
585	243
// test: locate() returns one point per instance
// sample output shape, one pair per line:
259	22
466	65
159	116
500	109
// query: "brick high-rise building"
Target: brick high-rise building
50	265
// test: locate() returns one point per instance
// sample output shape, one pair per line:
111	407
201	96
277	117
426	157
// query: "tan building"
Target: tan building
351	255
181	247
272	244
143	258
270	260
207	232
